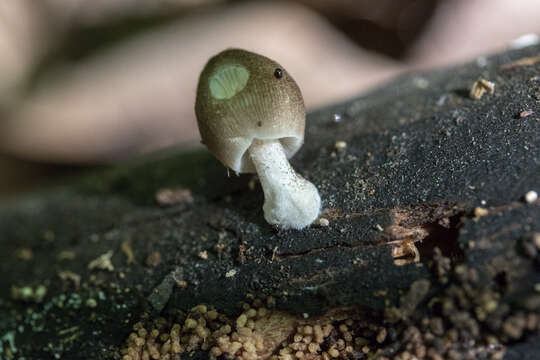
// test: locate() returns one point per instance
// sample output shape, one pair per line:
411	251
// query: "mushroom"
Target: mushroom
251	117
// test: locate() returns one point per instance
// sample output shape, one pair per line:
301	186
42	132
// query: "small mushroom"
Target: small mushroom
251	117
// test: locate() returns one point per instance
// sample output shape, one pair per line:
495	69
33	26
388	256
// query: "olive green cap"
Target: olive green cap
244	96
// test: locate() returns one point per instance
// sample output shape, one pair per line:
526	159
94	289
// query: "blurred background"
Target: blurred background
92	82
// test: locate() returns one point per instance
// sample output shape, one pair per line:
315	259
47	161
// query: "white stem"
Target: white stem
290	201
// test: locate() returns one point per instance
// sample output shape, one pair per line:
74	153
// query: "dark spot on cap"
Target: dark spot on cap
278	73
259	123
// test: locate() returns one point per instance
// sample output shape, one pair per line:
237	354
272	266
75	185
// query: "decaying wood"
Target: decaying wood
82	263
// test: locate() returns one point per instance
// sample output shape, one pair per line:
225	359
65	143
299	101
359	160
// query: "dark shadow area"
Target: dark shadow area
463	93
443	235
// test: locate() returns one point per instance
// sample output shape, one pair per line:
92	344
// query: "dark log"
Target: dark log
422	161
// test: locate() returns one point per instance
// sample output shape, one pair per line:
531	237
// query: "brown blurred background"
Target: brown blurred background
91	82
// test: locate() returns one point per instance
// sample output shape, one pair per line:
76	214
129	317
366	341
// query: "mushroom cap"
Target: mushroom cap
244	96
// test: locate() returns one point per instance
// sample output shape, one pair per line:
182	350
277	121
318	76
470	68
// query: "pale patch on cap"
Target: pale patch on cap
227	81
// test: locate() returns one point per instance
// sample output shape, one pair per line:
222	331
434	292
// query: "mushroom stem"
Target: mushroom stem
289	200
